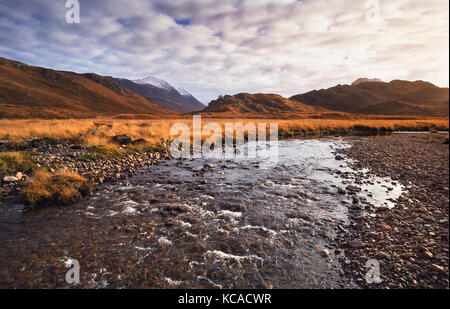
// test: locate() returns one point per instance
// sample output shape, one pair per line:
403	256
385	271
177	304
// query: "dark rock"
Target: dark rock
356	244
352	189
139	141
122	139
208	166
304	217
44	141
170	222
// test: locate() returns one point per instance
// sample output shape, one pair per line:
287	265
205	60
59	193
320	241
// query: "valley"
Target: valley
361	174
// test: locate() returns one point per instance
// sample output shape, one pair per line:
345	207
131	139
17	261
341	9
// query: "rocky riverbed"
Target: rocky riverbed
310	220
58	154
410	240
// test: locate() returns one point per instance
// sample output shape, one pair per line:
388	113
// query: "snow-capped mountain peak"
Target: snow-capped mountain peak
163	93
154	81
184	92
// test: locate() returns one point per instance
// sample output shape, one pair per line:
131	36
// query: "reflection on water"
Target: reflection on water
203	223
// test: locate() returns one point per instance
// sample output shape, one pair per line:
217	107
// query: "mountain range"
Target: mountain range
161	92
362	97
397	97
34	92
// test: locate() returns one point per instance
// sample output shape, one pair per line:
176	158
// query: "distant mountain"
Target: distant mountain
397	97
153	81
29	92
161	92
250	104
366	80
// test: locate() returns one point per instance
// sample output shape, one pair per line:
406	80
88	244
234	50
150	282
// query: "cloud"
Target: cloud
214	47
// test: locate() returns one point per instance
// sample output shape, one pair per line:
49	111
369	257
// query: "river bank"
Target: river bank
96	164
410	240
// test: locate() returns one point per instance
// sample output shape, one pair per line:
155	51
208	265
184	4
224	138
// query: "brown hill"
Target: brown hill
34	92
371	97
257	104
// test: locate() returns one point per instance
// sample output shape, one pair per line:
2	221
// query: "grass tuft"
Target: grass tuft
62	188
107	151
13	162
145	147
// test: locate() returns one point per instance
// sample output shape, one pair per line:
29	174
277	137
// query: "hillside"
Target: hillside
397	97
34	92
163	93
251	104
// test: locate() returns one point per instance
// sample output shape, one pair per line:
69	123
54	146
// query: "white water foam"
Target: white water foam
210	281
173	282
162	241
231	214
143	249
226	256
130	207
129	210
183	224
252	227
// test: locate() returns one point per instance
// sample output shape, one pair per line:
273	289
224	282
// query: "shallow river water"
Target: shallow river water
201	223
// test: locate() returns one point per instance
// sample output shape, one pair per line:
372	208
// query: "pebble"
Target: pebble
356	244
19	176
324	252
10	179
385	227
438	268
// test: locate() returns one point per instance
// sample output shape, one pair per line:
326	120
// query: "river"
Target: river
200	223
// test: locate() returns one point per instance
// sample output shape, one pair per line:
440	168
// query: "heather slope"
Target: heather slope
260	103
380	98
34	92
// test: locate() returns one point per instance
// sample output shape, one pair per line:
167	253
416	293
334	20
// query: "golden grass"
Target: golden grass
154	130
62	188
343	124
151	130
43	128
13	162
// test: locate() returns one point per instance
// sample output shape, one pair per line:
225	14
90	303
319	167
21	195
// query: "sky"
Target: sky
217	47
